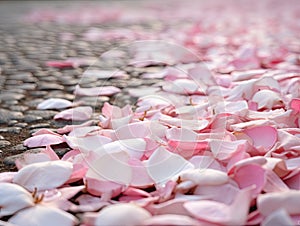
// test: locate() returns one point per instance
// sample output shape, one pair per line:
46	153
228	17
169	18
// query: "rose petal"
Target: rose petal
54	103
13	198
77	114
44	175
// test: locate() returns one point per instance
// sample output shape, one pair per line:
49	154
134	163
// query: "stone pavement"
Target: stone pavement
25	80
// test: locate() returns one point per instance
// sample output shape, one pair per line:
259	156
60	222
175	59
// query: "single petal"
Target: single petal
43	215
96	91
54	103
163	165
13	198
295	105
88	143
279	217
44	175
215	212
204	176
287	200
172	220
267	99
262	136
250	174
127	214
43	140
76	114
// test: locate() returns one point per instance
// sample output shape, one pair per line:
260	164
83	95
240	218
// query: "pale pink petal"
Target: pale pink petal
262	136
140	177
140	130
224	150
96	91
44	131
69	128
195	125
163	165
250	174
204	162
274	183
216	192
43	140
60	64
7	176
204	176
84	131
184	86
278	217
295	105
50	152
30	158
267	99
101	168
43	215
76	114
100	187
119	213
54	103
215	212
134	148
171	219
270	202
13	198
44	175
86	144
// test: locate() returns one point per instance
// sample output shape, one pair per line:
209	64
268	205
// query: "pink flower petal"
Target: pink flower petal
204	176
44	215
163	165
77	114
115	214
43	140
170	219
215	212
250	174
278	217
44	175
295	105
13	198
270	202
54	103
96	91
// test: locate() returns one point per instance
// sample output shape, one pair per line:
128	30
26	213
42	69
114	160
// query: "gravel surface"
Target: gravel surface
25	80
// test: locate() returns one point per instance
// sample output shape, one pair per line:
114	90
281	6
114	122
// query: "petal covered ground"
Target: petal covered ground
215	142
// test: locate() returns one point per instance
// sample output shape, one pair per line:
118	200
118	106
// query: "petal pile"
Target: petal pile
214	142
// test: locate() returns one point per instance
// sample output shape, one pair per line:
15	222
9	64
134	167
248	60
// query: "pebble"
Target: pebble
19	147
39	125
32	118
6	116
4	143
20	108
14	130
45	114
50	86
7	96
